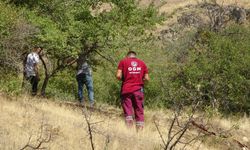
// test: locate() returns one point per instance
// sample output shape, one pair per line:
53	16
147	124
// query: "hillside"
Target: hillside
215	74
22	118
176	8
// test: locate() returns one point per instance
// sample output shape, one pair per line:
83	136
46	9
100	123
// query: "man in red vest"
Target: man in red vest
133	72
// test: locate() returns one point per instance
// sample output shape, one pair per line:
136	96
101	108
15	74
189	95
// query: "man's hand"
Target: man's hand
146	78
37	77
119	74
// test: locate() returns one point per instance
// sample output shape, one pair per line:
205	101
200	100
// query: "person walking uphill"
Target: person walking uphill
84	77
31	68
133	72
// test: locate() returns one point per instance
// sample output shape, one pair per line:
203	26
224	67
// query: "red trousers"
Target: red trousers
132	104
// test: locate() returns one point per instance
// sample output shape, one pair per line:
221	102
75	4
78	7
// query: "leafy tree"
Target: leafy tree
15	32
70	28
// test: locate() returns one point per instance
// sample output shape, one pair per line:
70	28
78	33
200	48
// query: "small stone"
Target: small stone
245	139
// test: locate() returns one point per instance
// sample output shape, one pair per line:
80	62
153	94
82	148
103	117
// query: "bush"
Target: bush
11	85
63	86
217	70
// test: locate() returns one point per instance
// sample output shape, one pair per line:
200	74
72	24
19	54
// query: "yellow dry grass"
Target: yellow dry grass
22	117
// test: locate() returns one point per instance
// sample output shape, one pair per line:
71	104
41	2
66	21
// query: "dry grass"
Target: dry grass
23	117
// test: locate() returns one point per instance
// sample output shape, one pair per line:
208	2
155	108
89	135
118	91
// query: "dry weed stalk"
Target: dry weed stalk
211	133
177	132
45	135
174	137
91	129
87	117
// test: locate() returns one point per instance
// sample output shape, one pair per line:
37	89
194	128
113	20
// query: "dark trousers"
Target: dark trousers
34	83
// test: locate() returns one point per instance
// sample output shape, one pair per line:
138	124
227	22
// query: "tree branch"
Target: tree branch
159	132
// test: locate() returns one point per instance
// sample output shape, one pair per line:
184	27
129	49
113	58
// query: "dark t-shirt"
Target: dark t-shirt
133	72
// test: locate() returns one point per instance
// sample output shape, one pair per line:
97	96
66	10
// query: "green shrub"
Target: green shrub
217	71
63	86
11	85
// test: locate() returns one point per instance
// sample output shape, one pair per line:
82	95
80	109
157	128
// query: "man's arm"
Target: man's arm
146	77
119	74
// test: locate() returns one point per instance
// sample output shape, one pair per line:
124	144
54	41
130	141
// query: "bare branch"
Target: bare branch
159	132
207	132
87	119
45	136
170	130
181	135
109	59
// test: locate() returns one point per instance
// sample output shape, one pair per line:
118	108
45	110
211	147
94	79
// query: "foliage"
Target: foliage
204	65
11	85
67	28
14	32
62	86
217	70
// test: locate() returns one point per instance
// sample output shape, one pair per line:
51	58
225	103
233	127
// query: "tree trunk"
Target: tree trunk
24	58
53	73
45	83
46	79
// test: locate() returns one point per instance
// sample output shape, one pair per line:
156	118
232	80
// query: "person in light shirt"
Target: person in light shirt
31	68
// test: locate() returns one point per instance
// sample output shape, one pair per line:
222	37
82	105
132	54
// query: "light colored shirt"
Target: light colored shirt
84	69
32	60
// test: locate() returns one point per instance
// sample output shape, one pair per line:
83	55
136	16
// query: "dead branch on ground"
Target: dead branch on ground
45	135
211	133
87	118
91	129
177	131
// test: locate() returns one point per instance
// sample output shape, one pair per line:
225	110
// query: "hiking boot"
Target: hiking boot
82	104
33	93
92	104
139	128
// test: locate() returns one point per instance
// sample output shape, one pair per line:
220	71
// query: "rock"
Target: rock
248	14
168	34
190	19
245	139
221	15
239	14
